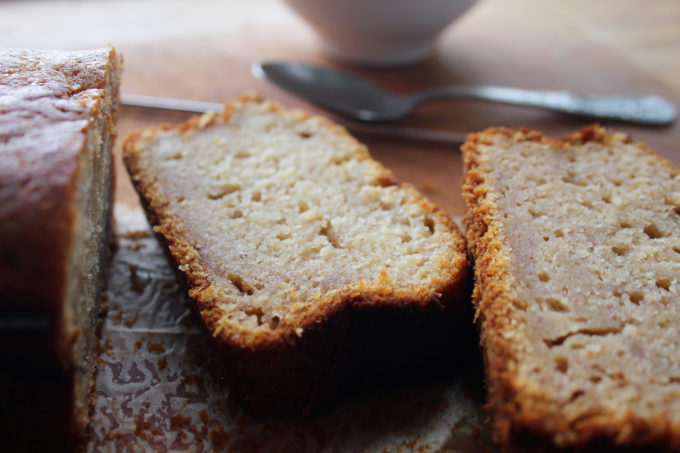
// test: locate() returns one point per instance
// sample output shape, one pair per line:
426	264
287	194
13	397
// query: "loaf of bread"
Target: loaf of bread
576	244
57	126
303	256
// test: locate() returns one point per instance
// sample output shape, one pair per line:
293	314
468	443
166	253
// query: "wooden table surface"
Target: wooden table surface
203	50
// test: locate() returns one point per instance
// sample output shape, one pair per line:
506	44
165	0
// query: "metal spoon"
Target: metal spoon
356	98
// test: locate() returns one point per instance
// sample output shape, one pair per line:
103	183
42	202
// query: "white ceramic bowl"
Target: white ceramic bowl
379	32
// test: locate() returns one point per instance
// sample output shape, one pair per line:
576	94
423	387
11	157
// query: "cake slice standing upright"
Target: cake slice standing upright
576	245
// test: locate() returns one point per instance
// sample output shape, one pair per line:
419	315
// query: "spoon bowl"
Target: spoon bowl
343	93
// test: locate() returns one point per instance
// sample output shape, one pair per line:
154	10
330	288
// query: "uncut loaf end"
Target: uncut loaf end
303	256
576	243
58	113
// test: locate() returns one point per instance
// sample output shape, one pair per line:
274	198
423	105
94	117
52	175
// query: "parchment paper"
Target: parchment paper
158	388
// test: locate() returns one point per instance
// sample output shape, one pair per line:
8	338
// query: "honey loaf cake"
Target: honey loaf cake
57	127
301	253
576	245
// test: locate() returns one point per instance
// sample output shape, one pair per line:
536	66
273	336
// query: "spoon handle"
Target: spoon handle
644	109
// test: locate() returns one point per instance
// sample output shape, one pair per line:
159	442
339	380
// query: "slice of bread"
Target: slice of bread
57	127
301	253
576	244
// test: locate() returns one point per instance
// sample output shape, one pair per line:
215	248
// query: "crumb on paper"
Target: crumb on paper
136	282
115	314
135	235
177	422
218	437
155	348
104	347
143	428
195	379
137	246
131	320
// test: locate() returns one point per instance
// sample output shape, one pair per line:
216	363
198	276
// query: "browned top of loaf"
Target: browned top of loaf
577	250
46	100
214	295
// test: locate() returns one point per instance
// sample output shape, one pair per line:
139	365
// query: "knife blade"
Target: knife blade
192	106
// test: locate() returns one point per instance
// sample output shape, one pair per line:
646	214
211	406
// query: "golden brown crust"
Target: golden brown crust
47	101
281	371
49	98
521	417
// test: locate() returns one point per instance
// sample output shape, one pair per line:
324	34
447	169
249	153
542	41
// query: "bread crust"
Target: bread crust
522	418
285	372
32	153
50	97
48	100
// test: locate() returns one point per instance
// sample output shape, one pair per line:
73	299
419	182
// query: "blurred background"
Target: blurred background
203	50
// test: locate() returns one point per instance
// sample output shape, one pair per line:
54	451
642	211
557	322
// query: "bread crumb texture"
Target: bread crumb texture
277	218
577	250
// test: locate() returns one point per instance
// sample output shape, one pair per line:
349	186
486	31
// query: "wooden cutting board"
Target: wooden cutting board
504	43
